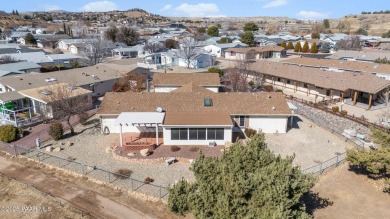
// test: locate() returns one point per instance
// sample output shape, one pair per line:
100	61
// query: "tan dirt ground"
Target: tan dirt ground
352	196
100	201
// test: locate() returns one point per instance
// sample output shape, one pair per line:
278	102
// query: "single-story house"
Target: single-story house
349	87
130	52
64	44
168	82
200	60
256	53
18	68
361	55
193	118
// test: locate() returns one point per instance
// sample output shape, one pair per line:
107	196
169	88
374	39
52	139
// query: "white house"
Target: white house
218	50
192	118
255	53
201	60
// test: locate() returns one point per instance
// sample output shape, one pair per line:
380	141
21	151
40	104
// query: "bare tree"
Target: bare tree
349	43
188	50
7	59
132	81
239	76
66	101
153	47
96	50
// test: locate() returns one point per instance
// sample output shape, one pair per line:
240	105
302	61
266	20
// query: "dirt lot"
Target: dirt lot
345	194
99	201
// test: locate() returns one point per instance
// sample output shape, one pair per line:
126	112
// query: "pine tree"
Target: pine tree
290	45
30	39
69	31
248	181
297	47
305	47
314	48
325	47
284	45
64	27
13	12
16	12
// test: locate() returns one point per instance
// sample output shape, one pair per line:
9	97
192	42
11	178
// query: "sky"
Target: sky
301	9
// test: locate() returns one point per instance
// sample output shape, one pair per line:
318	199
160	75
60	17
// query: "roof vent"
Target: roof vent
159	110
208	102
273	108
50	79
269	97
71	87
45	92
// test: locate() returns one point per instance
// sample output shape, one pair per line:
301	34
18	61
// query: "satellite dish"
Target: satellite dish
159	109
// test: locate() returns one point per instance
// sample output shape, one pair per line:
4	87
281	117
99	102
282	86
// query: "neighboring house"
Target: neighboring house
76	48
64	59
39	58
326	84
136	51
18	68
361	55
168	82
99	79
256	53
218	50
201	60
40	104
193	118
65	44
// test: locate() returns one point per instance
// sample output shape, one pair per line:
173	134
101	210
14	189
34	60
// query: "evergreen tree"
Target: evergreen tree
69	31
248	181
248	38
110	33
16	12
315	35
213	31
127	35
30	39
314	48
290	45
305	47
64	27
325	47
201	30
225	40
297	47
13	12
251	27
326	23
284	45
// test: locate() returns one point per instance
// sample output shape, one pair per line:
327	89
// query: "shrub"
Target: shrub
175	148
148	180
28	115
56	131
8	133
291	97
123	173
194	149
249	132
335	109
216	70
268	88
343	112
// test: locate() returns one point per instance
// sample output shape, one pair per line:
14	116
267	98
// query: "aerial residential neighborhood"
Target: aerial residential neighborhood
250	109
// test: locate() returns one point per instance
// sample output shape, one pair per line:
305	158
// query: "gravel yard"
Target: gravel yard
308	142
89	148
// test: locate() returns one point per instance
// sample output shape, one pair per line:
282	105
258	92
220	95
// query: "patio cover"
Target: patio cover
10	96
140	118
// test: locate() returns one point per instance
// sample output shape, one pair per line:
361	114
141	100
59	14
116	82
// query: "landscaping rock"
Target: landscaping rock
58	149
68	144
145	152
49	149
131	154
108	150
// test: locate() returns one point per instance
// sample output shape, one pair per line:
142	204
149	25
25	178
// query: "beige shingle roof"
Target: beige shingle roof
232	103
342	81
180	79
256	49
191	87
342	65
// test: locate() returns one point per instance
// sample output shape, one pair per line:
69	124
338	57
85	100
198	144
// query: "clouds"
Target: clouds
100	6
50	7
275	3
312	15
194	10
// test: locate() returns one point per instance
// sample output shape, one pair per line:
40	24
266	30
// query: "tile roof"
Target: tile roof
180	79
232	103
342	81
342	64
256	49
198	118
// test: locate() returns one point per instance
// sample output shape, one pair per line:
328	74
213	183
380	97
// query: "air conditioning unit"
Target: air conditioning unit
212	144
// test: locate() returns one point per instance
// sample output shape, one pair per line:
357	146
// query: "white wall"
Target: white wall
268	124
168	141
213	89
213	50
164	89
